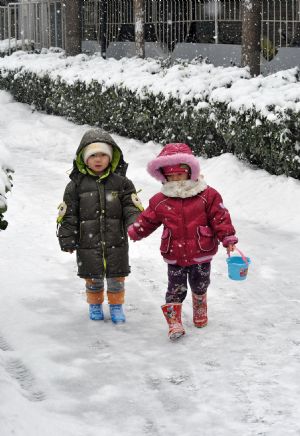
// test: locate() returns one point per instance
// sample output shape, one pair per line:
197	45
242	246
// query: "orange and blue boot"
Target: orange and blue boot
96	312
117	314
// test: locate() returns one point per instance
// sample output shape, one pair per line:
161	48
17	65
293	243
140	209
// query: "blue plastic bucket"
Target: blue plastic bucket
238	267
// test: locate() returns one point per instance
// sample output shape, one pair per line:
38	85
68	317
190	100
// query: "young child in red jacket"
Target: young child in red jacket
194	220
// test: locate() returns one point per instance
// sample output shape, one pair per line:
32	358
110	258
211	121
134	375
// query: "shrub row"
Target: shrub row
210	131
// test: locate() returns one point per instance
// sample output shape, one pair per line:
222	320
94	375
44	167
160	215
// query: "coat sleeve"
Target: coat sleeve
68	231
147	222
219	218
129	204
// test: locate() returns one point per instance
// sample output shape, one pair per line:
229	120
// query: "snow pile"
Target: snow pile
275	93
13	44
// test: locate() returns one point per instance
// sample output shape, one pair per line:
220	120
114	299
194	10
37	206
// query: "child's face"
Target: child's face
98	162
176	177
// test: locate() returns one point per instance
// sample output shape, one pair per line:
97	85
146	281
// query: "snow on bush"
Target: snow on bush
187	82
213	109
5	183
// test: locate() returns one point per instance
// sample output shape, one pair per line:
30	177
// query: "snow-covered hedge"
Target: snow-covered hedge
5	183
213	109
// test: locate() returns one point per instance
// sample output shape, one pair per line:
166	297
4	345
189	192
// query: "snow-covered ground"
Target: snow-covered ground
64	375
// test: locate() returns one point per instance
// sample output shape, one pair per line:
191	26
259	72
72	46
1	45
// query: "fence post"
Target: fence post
216	22
139	26
9	28
22	25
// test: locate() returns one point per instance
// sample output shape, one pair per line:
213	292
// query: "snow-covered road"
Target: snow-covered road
63	375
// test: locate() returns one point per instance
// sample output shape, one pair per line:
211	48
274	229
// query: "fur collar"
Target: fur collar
184	188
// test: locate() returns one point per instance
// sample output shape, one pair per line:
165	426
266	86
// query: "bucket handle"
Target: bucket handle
241	254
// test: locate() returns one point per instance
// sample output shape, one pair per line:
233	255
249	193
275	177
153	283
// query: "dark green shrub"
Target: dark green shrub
211	131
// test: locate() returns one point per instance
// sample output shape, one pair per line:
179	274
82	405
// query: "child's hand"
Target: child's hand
230	248
132	233
229	243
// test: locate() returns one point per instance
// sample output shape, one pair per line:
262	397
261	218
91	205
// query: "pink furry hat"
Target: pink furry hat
174	154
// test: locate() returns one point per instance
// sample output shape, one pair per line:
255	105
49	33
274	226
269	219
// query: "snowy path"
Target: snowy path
63	375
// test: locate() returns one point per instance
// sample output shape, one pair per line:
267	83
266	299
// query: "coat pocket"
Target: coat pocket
206	238
165	241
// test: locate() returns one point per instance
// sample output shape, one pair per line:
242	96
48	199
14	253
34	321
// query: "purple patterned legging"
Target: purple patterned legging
198	276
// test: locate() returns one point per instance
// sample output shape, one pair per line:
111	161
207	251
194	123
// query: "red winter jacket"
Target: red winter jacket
193	226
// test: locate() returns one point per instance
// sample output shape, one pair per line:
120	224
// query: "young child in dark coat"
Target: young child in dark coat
98	206
195	220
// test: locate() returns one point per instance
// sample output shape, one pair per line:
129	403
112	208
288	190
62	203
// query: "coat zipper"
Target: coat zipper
184	231
102	221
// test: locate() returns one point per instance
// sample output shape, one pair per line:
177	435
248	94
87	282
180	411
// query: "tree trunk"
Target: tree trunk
73	27
103	27
251	35
139	19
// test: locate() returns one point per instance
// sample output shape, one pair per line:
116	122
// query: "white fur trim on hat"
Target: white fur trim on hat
97	147
154	166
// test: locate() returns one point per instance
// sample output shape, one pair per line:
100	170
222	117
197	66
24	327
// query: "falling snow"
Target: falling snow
62	374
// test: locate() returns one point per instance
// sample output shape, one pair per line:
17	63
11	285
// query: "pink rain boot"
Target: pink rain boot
199	310
172	313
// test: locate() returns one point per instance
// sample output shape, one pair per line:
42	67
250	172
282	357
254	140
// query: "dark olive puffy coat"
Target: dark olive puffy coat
98	212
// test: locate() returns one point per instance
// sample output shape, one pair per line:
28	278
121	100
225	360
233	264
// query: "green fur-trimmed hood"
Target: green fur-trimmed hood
118	165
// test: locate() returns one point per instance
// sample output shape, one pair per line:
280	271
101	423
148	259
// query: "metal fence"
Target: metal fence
167	22
3	22
210	21
91	18
40	23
